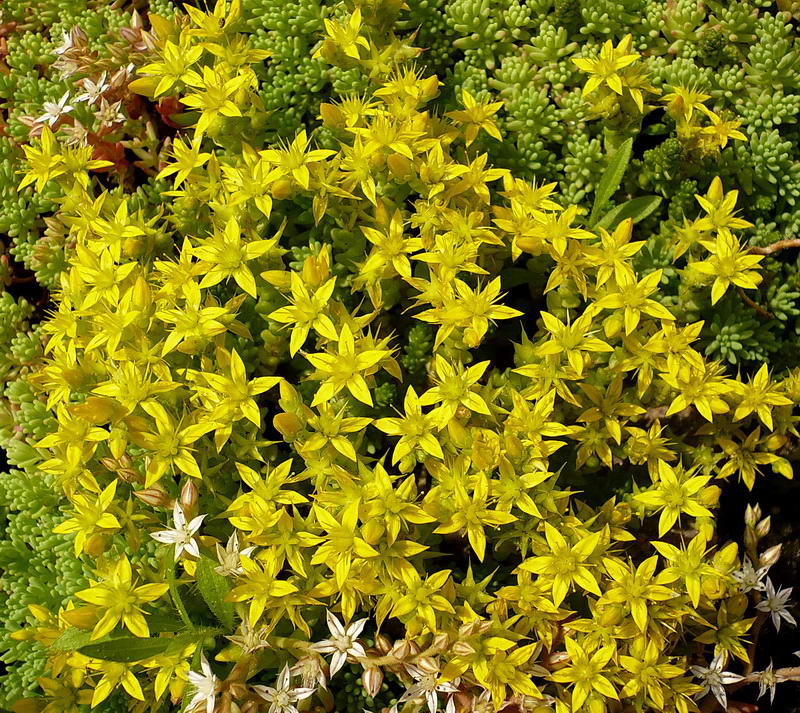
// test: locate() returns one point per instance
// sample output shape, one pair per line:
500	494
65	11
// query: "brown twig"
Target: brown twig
752	303
775	247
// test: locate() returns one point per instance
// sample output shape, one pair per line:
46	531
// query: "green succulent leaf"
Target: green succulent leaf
611	178
214	587
636	209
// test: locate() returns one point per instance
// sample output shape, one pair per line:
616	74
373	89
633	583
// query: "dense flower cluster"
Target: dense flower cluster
364	413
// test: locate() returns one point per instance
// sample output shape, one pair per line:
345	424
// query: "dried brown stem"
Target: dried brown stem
752	303
775	247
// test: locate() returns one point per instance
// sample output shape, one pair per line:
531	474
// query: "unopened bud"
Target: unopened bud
189	496
401	649
752	515
770	557
462	648
287	424
281	189
441	642
110	463
129	475
372	680
762	529
383	644
153	496
96	545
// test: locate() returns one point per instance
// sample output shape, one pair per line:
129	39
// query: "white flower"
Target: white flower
310	671
714	679
75	134
205	685
230	564
774	603
749	578
283	697
110	113
53	111
250	639
342	642
767	681
93	91
182	536
427	686
66	44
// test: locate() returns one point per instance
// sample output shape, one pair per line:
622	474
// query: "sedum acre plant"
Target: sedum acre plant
363	418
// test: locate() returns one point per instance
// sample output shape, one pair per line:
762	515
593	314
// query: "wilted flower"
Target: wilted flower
427	685
767	681
250	639
93	90
311	672
750	578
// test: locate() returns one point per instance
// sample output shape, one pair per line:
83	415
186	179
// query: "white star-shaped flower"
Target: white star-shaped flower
427	685
205	685
714	679
93	90
342	642
750	578
774	603
53	111
283	697
229	563
182	535
66	44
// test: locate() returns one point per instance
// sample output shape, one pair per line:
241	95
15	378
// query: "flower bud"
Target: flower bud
441	642
189	497
281	189
401	649
96	545
462	648
383	644
770	556
288	425
372	680
153	496
752	515
762	529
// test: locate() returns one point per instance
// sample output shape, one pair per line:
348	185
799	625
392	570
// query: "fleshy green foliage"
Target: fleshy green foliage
38	567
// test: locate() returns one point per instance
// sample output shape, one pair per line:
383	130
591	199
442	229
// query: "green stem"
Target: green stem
176	598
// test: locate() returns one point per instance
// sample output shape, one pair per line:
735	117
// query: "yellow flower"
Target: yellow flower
476	116
119	599
89	517
345	369
566	565
260	586
606	68
676	491
729	263
45	161
586	672
224	255
414	428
